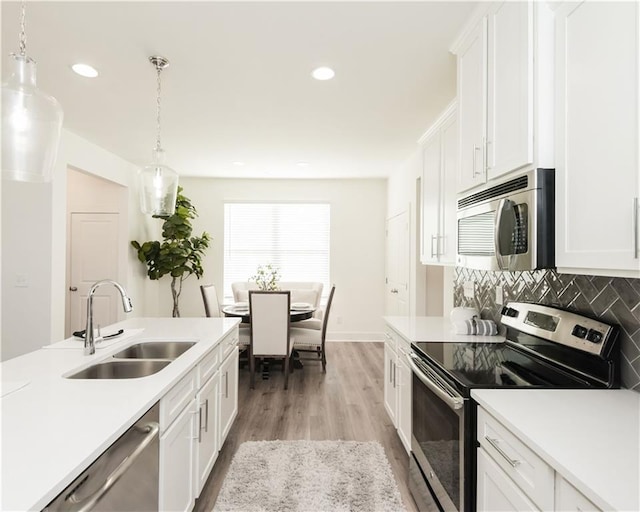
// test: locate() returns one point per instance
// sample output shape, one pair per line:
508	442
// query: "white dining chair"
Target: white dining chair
212	309
313	340
269	328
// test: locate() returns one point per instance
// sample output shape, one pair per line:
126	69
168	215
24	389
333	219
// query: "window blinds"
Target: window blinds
294	237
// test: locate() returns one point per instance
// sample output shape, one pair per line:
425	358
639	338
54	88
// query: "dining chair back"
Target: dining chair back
212	309
269	329
210	299
312	340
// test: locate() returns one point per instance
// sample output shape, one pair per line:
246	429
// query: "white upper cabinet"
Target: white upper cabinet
504	94
472	81
597	166
509	142
439	171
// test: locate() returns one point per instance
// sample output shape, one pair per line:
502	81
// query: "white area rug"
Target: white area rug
309	476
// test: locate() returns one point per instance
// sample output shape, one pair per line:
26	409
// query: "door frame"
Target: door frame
99	195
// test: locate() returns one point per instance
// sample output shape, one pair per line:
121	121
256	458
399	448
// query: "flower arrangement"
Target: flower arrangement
266	277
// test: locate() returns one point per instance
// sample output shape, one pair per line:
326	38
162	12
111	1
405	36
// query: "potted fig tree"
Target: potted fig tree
179	254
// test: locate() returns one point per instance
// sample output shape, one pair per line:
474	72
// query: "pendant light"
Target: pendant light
31	120
158	182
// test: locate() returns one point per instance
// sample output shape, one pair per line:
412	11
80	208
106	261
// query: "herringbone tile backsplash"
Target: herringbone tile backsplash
615	300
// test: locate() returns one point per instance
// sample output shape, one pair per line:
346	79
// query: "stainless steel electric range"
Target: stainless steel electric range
545	347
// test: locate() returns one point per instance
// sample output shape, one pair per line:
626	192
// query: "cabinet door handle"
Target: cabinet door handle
494	442
226	384
73	288
635	228
475	150
394	375
206	415
434	237
200	424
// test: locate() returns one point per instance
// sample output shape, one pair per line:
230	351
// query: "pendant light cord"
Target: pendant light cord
23	33
159	90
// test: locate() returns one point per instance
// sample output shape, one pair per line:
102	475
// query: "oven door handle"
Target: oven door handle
454	402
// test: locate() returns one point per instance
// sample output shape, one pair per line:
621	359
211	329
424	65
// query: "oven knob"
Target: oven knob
579	331
594	336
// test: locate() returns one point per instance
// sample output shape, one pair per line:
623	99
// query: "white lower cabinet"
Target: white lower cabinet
511	477
208	437
228	394
390	389
397	384
195	418
496	491
569	499
177	455
404	399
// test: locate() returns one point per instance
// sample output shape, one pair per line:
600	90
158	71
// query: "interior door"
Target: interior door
94	256
398	257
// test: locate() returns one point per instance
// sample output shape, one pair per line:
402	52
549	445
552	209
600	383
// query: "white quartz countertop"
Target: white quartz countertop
434	328
53	428
590	437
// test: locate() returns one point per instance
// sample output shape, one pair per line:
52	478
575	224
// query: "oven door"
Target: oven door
437	441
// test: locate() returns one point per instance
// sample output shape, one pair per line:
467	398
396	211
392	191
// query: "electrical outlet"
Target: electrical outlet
499	294
22	281
470	289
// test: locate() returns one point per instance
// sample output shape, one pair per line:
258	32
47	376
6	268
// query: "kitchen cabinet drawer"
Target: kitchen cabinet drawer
496	491
569	499
208	366
532	474
177	399
391	339
227	345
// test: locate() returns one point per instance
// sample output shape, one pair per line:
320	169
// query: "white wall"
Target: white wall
34	247
357	244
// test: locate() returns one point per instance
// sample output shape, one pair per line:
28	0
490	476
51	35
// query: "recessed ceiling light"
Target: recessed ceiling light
323	73
85	70
238	164
303	164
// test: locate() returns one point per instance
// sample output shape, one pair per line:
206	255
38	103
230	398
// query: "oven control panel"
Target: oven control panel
559	326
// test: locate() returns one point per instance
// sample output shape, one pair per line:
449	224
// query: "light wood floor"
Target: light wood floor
345	403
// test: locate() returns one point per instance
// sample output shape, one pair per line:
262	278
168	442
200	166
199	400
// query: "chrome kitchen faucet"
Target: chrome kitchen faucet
89	339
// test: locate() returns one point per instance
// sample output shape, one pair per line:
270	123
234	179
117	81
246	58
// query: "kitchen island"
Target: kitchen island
54	427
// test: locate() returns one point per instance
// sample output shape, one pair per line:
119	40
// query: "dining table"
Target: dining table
297	313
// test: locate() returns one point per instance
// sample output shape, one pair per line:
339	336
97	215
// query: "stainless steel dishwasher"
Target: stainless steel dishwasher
123	478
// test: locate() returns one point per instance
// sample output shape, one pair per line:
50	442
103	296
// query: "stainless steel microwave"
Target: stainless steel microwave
509	224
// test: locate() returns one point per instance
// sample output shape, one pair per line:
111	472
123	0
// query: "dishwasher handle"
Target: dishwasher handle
152	429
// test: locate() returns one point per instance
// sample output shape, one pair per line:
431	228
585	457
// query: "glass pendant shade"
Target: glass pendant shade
158	187
31	125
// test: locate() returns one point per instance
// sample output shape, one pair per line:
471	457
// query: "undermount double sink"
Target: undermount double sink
139	360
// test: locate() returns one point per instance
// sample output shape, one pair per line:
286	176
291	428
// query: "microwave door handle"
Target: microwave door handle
496	237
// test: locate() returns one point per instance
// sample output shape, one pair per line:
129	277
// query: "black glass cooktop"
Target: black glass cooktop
492	365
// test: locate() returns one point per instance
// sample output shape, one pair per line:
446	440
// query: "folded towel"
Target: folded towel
476	326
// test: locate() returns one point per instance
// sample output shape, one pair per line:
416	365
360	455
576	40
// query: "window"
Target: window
291	236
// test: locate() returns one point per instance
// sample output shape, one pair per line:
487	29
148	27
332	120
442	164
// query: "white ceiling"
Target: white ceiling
239	86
